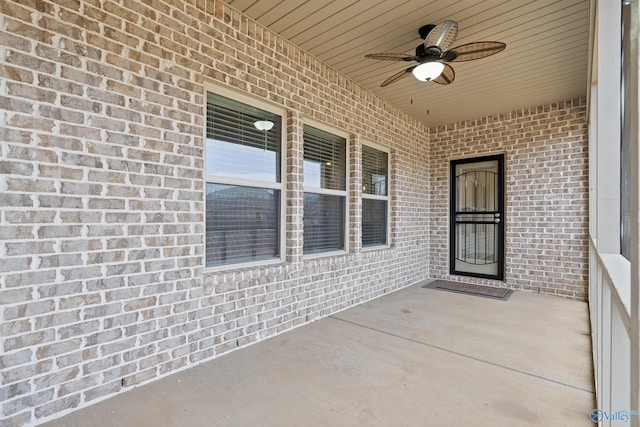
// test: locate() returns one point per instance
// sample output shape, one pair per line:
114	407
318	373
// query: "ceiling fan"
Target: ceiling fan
434	54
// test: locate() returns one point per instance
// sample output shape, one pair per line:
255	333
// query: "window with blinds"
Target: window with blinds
375	197
243	190
325	176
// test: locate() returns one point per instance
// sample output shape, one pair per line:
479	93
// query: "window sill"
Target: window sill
373	248
242	266
324	254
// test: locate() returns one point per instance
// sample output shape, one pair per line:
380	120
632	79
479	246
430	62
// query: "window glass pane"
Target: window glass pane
374	222
625	154
324	159
375	165
323	223
235	148
242	224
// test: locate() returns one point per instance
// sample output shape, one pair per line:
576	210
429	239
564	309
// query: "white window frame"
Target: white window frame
386	198
328	192
225	180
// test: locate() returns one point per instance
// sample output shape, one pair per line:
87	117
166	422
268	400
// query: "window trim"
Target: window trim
225	180
324	191
387	198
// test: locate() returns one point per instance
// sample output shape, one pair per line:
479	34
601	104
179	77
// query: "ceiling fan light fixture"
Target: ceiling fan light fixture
428	71
265	125
434	54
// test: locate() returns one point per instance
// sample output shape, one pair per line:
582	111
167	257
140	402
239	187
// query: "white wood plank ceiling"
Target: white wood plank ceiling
545	59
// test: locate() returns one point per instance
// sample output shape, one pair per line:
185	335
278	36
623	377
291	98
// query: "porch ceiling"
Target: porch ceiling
545	59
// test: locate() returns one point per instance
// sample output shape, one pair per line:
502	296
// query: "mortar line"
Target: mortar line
467	356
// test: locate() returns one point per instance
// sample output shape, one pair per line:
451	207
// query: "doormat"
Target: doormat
470	289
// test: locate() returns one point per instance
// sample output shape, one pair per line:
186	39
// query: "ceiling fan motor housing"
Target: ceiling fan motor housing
425	54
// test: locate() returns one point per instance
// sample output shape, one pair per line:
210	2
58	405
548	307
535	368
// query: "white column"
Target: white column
608	128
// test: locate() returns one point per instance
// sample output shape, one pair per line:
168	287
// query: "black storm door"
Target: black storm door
477	217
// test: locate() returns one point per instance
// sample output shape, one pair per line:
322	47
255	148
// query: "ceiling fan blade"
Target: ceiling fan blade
397	76
443	35
391	56
447	76
470	51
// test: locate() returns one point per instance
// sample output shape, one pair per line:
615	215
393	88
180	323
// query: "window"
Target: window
325	172
243	188
625	155
375	196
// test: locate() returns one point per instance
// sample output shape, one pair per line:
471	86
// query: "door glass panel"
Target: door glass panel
477	218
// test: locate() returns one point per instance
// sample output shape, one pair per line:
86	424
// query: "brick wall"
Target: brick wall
102	284
546	190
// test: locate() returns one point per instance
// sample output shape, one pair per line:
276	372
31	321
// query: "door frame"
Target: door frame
500	250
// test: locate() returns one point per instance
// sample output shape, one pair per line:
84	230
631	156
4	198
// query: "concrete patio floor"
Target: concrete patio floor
416	357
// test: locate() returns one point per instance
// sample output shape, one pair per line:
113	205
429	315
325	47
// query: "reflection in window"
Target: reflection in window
242	165
242	224
374	222
375	164
312	174
324	159
235	148
375	200
379	184
325	174
241	161
323	223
